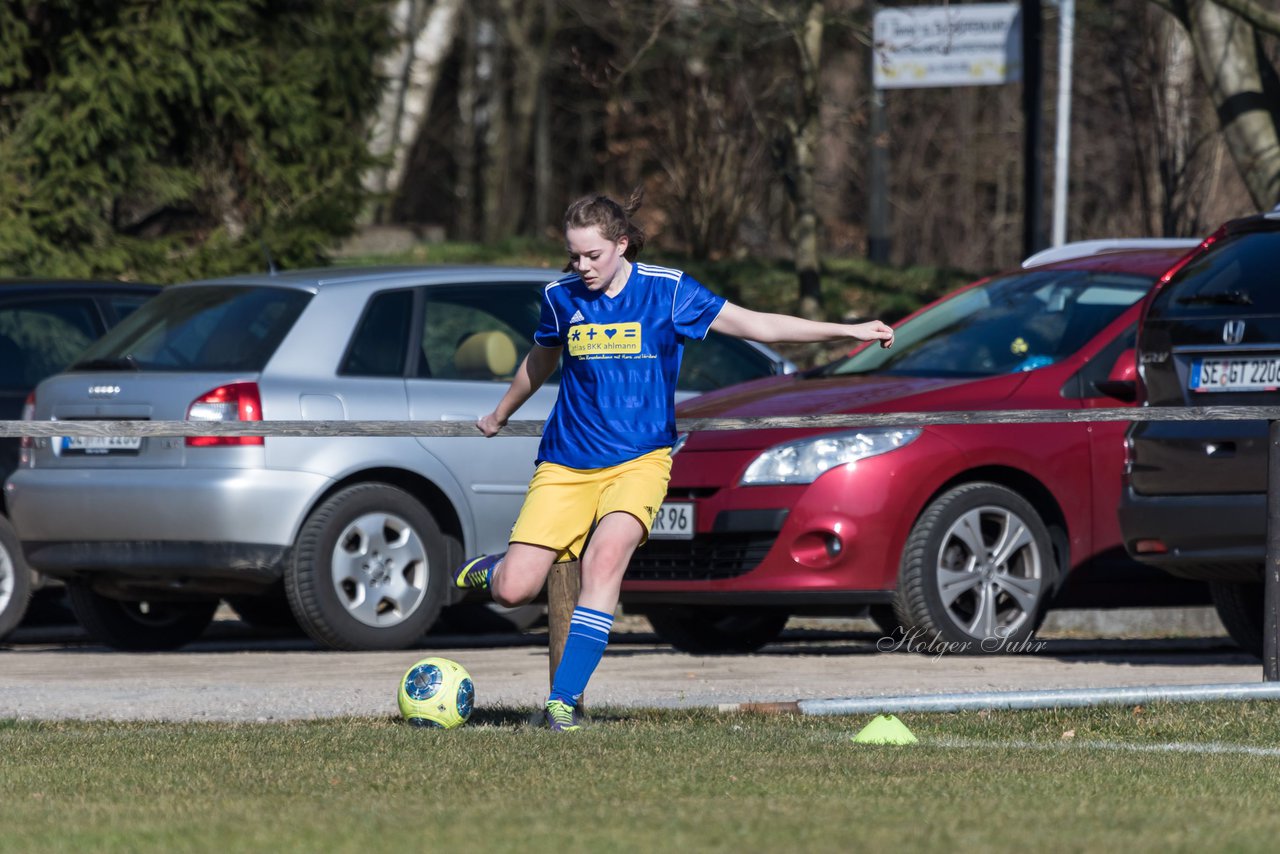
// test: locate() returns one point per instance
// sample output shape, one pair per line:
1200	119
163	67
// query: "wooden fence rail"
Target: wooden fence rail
684	425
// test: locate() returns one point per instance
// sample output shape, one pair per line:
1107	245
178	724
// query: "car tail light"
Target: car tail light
234	402
1191	256
28	414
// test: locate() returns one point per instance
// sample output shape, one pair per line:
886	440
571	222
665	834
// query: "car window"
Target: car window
40	338
1013	323
381	340
719	360
1236	274
200	328
478	332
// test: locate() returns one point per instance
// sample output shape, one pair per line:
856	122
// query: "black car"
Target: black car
44	326
1194	501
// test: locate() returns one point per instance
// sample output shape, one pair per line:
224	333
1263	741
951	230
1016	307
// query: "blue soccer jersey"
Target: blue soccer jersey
621	359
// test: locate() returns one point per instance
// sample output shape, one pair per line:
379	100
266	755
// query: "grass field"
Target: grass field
1160	778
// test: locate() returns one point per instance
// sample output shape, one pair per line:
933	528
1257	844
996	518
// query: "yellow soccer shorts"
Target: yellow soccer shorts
563	504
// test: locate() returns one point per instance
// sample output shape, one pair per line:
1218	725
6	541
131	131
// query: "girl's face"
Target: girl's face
594	257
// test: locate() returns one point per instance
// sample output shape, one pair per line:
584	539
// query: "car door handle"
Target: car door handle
458	416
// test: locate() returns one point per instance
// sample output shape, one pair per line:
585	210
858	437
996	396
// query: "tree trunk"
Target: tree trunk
543	172
1174	138
425	37
805	139
492	126
466	182
528	26
1227	52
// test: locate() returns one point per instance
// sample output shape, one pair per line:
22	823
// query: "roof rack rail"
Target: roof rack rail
1085	248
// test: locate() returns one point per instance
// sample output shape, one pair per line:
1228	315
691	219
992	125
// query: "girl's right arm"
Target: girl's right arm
534	370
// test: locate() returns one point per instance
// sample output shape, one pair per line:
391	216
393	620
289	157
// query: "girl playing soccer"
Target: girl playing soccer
605	457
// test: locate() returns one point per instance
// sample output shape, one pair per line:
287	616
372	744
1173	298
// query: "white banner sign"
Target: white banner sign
979	44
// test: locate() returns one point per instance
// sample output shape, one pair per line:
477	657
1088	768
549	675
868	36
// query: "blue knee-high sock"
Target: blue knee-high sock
588	636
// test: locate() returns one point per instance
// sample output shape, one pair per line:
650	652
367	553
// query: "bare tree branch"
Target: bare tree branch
654	32
1262	18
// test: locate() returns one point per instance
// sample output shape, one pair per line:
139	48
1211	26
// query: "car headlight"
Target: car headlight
802	461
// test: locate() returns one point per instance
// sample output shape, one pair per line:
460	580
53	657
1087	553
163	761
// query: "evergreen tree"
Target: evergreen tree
162	141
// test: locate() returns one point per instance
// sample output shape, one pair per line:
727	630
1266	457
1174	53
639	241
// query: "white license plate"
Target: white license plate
674	521
101	444
1259	373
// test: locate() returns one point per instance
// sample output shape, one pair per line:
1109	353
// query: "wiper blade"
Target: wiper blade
1223	298
129	362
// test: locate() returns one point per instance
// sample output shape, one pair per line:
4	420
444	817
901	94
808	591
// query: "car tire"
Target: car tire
1240	608
15	579
141	626
368	570
716	631
956	592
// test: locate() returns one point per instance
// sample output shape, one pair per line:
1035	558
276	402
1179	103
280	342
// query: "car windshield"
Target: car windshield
1017	322
199	328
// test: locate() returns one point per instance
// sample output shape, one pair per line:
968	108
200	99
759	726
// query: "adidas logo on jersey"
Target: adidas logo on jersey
577	317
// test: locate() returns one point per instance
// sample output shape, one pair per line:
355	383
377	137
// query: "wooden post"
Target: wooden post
563	586
1271	581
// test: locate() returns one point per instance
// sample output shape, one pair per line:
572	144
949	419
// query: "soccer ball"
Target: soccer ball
436	692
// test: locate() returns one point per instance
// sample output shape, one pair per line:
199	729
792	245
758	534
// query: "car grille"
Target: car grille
705	558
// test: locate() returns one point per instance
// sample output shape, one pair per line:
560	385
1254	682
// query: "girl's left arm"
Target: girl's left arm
783	328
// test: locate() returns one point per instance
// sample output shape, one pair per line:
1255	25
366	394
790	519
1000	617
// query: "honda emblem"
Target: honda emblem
1233	332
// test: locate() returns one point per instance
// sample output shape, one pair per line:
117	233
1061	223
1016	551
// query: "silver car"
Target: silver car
352	537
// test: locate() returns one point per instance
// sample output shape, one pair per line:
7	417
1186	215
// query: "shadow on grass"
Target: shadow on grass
504	716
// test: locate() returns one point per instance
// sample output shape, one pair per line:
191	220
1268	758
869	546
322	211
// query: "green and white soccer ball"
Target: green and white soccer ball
436	692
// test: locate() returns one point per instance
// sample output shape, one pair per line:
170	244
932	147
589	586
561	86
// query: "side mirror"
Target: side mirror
1122	382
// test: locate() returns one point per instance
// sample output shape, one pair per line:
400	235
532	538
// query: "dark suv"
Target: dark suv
44	326
1194	502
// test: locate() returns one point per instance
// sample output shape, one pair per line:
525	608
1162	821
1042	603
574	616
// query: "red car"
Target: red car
958	534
